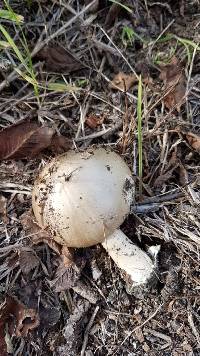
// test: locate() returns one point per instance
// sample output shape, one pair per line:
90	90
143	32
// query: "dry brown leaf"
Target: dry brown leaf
3	344
14	313
28	259
68	270
93	121
123	81
3	205
163	178
27	139
60	144
49	316
38	235
58	59
193	140
28	295
65	276
174	84
112	14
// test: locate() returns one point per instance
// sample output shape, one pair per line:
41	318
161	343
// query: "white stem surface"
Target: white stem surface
136	264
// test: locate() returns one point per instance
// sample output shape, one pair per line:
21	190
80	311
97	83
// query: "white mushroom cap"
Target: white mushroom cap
83	197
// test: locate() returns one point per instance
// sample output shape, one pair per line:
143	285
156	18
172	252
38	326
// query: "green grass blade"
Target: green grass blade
26	77
62	87
14	47
4	44
139	126
11	15
122	5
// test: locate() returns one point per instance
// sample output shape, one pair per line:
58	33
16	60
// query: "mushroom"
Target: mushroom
82	198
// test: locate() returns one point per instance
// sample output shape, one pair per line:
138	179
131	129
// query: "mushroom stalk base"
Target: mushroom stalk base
137	267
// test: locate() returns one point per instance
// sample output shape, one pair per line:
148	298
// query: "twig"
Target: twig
85	340
138	327
94	135
85	292
162	198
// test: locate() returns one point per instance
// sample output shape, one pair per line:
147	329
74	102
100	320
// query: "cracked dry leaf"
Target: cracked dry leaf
68	272
27	139
93	121
174	80
123	81
193	140
20	320
112	14
163	178
38	235
28	259
58	59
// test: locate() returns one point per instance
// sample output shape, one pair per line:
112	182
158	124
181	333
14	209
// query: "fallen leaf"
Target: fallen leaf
60	144
48	309
20	320
193	140
139	335
28	259
3	344
49	316
174	84
68	271
65	276
123	81
26	139
93	121
163	178
112	14
37	234
3	205
58	59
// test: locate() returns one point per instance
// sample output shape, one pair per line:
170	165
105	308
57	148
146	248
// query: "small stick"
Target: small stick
138	327
85	292
85	340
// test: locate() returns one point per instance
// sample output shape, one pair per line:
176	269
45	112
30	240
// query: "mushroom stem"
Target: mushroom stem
137	267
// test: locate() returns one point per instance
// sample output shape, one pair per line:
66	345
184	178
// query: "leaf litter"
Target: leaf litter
174	80
28	139
123	81
176	222
193	140
20	320
59	59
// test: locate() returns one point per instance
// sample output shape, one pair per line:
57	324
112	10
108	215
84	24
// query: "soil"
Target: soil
94	314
